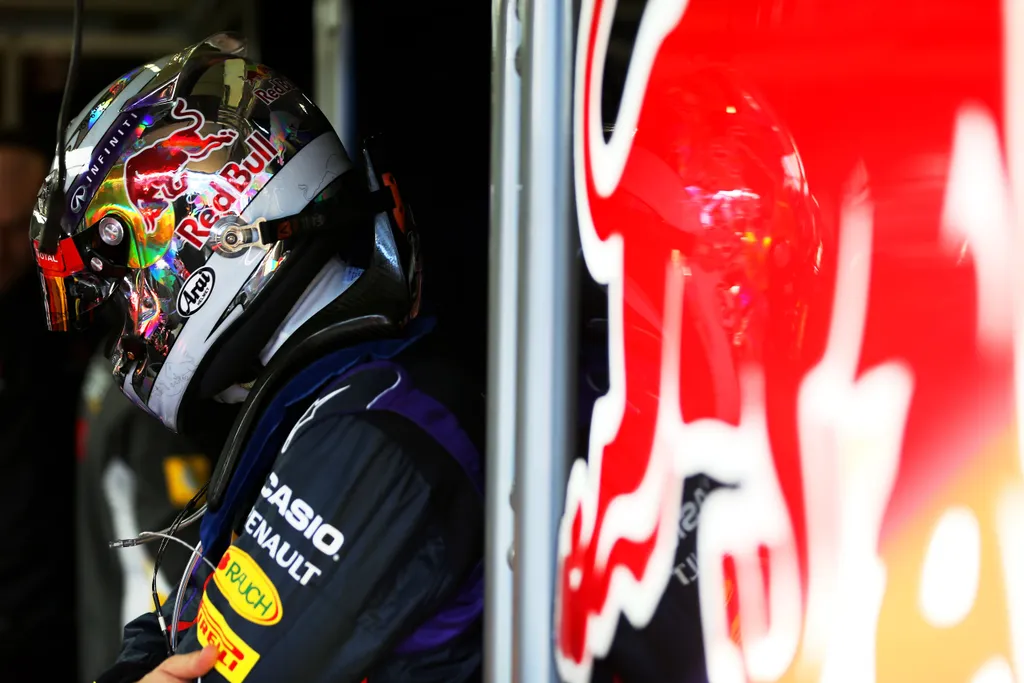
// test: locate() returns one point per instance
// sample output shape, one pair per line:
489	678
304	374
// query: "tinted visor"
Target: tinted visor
72	290
71	293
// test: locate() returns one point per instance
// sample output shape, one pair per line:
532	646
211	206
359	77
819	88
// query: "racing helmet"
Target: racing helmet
212	198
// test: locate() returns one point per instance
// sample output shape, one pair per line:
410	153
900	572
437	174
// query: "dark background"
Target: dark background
422	80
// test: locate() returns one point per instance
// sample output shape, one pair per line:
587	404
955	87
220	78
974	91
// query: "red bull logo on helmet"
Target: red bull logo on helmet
156	175
228	189
257	72
874	530
273	90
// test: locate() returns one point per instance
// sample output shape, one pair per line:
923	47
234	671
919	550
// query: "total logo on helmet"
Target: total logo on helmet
158	174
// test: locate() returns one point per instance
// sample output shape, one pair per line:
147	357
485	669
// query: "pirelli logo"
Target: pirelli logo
235	659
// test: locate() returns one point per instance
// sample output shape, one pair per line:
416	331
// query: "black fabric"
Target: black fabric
40	374
164	469
346	219
142	650
670	648
460	661
413	531
129	671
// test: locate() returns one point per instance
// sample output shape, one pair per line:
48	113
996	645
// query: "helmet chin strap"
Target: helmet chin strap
331	282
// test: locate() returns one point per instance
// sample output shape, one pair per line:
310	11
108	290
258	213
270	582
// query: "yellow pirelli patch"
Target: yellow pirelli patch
235	659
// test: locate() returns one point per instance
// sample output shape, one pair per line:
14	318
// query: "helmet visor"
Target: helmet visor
71	293
83	272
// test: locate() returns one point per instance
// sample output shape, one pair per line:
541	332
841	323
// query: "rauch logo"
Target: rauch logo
249	591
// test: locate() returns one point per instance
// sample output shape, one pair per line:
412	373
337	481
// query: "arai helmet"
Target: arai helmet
211	195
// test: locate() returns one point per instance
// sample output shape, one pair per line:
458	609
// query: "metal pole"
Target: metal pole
503	312
346	125
251	29
546	342
335	84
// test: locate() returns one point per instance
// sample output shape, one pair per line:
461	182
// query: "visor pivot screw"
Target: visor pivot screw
96	263
231	239
111	231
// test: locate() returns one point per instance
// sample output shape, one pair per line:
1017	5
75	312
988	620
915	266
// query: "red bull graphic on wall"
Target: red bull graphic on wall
809	254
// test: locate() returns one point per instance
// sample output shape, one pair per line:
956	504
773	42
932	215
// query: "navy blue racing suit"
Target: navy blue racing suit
350	543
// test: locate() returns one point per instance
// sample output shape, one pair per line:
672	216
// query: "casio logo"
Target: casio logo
300	516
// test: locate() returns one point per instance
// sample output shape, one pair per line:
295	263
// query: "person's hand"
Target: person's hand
183	668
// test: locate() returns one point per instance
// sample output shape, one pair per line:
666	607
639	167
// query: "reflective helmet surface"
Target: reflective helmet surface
159	167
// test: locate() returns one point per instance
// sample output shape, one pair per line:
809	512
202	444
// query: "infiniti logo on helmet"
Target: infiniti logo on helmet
196	291
105	154
78	198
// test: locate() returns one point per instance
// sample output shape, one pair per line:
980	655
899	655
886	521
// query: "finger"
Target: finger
191	665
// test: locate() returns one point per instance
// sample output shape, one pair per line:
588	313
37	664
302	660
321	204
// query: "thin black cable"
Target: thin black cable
55	210
164	543
65	102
